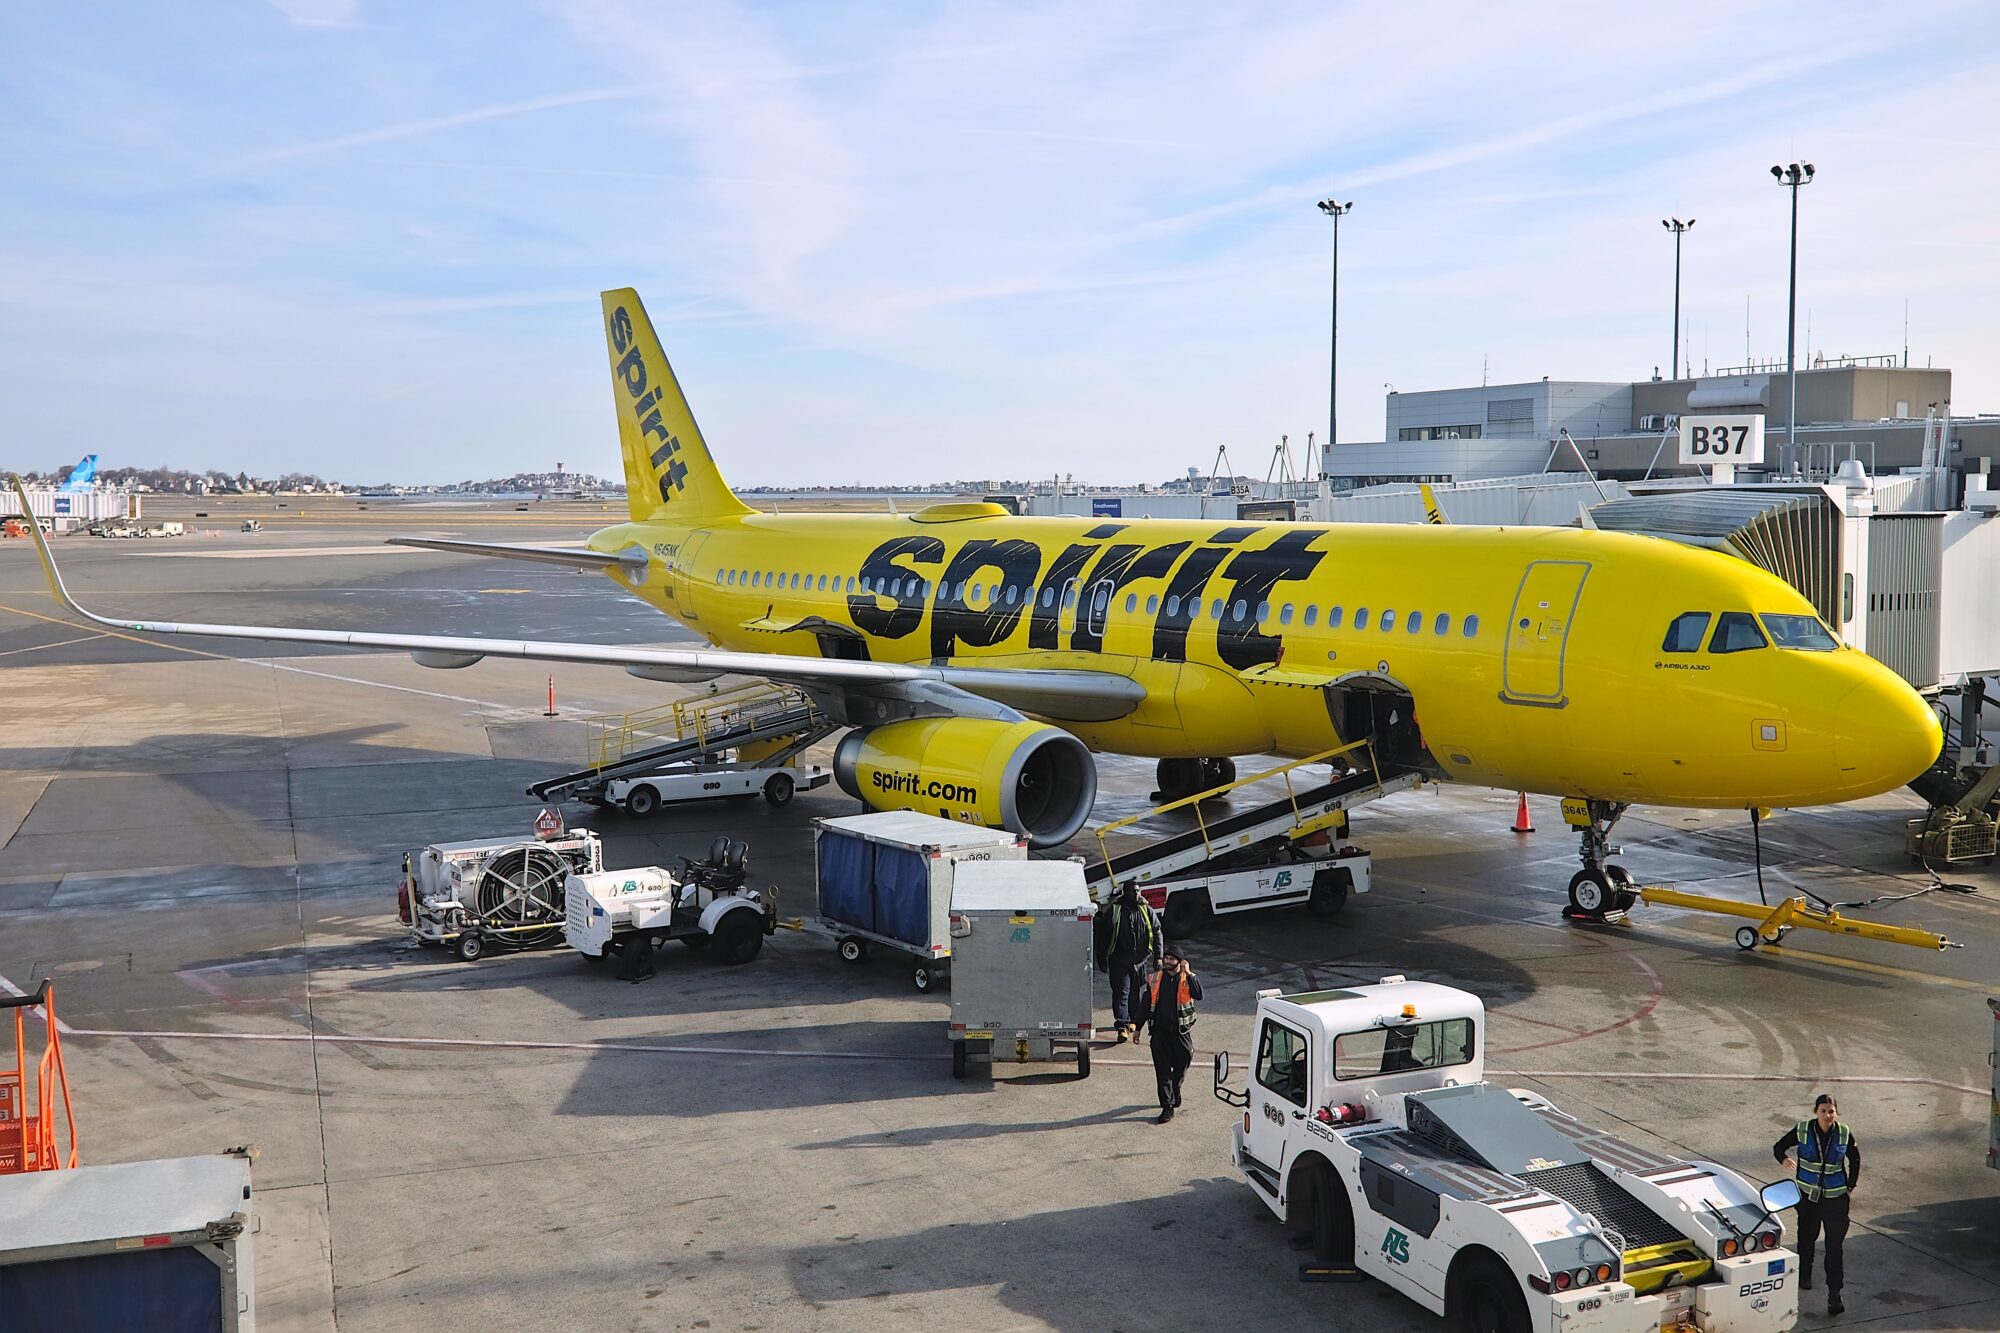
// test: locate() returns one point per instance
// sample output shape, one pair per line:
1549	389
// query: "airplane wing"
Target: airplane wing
575	556
1069	695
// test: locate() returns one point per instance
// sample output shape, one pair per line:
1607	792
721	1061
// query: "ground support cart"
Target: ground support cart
1022	981
466	896
886	881
644	907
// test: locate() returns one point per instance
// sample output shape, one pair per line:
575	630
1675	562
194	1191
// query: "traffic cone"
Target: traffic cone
1523	824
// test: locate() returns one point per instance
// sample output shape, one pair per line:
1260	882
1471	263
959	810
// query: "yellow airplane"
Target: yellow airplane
981	657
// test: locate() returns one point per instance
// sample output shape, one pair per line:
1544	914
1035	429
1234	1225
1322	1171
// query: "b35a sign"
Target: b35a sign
1722	439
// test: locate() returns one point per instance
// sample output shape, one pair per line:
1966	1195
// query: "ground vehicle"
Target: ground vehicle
495	891
644	794
615	910
1368	1122
157	1245
252	525
886	879
1022	983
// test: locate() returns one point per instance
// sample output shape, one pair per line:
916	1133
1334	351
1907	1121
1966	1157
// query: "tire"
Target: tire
1218	772
469	947
1746	938
1329	892
1178	779
1083	1059
1187	912
926	978
642	802
1485	1298
1624	891
778	790
1332	1219
852	950
958	1059
738	936
1590	893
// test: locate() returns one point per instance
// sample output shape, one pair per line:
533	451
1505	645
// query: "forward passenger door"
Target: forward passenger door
1538	632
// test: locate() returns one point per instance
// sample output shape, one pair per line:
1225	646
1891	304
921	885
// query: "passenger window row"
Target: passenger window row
1196	607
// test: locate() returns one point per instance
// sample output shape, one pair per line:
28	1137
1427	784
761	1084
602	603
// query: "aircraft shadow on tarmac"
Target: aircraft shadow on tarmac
1138	1263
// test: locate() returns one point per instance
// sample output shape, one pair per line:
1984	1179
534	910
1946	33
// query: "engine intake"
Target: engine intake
1026	777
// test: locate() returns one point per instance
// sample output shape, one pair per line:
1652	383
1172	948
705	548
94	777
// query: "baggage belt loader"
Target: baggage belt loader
1368	1125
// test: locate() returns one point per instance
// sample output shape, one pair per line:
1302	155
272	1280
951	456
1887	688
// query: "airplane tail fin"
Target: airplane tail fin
669	475
80	476
1432	514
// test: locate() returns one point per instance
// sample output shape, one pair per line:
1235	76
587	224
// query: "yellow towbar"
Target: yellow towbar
1774	922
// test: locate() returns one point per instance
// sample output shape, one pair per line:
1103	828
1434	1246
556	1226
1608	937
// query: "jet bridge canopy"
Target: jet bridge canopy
1795	534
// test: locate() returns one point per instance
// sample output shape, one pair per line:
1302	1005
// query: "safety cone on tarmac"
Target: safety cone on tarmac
1523	824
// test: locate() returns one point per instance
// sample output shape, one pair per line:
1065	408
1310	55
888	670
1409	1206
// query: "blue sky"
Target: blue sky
934	241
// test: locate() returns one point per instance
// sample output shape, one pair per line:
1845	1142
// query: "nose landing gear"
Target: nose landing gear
1600	891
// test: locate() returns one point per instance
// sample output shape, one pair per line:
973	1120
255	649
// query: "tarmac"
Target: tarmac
200	842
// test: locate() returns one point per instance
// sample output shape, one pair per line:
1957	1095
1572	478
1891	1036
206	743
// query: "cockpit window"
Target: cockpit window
1684	635
1735	632
1804	633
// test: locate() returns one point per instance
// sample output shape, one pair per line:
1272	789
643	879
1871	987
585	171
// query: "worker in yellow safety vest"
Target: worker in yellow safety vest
1828	1162
1128	941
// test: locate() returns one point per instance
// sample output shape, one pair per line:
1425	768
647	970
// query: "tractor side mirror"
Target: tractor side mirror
1779	1195
1222	1066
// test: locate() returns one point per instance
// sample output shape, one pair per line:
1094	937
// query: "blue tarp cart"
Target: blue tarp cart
885	880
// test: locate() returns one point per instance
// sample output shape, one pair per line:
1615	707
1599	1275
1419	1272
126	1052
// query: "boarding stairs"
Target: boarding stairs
1275	822
701	729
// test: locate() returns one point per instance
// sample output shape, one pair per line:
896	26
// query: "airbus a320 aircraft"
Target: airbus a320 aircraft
981	657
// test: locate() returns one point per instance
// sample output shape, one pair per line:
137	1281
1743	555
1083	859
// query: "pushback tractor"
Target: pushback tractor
1368	1126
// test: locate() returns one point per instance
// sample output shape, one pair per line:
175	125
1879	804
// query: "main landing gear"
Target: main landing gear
1181	778
1599	890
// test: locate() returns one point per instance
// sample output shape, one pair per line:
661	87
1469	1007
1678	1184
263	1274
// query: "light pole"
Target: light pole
1678	228
1335	211
1791	178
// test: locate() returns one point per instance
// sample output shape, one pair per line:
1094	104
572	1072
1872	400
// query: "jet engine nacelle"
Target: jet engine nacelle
1026	777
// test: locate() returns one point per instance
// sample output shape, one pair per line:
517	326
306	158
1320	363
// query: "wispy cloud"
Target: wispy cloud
424	128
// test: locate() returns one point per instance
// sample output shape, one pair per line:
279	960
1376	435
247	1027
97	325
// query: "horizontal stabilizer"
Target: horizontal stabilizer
574	556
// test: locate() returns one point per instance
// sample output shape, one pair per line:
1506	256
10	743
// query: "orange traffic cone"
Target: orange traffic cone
1523	824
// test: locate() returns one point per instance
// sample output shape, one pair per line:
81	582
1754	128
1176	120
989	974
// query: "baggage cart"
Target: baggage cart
886	880
162	1245
1021	964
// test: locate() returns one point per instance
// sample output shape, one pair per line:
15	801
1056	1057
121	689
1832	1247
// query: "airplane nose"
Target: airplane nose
1884	735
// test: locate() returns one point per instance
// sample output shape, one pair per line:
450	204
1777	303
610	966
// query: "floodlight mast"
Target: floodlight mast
1678	228
1336	211
1791	178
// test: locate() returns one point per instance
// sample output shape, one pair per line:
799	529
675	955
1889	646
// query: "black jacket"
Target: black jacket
1128	937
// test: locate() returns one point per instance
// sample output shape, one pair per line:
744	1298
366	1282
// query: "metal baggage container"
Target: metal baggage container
1022	983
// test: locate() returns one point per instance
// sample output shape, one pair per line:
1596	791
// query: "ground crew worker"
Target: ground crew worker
1828	1161
1167	1003
1128	941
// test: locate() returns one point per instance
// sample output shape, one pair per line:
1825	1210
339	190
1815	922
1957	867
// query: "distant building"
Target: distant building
1869	407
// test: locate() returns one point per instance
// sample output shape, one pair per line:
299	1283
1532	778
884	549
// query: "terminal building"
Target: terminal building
1873	409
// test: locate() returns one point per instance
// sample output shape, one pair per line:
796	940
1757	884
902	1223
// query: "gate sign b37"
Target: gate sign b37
1722	439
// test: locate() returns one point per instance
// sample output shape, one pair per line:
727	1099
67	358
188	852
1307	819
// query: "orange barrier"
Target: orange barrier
1523	824
28	1138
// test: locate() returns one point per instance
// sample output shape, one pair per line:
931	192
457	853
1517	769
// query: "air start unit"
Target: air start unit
467	895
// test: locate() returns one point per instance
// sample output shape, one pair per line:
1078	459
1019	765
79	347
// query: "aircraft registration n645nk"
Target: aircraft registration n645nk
981	657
